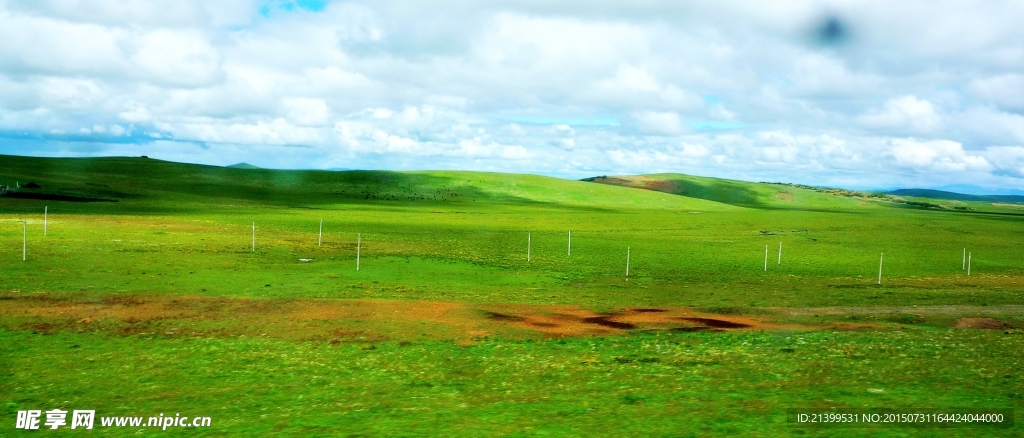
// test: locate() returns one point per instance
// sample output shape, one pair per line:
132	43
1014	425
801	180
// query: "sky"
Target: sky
857	94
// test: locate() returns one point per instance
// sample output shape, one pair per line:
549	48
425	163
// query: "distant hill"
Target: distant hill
952	196
144	185
741	193
243	166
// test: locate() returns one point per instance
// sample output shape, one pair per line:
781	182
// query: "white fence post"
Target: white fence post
880	267
627	263
766	258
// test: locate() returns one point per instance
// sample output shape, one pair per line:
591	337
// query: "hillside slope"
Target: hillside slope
952	196
148	183
243	166
739	193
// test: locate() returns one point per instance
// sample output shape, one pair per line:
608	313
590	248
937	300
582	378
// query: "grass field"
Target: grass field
149	298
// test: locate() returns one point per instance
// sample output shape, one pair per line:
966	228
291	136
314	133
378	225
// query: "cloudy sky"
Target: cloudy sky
864	94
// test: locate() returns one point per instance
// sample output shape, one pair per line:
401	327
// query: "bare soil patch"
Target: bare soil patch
347	320
980	323
641	182
717	323
560	321
378	320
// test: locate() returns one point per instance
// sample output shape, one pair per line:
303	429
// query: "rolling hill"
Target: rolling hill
742	193
952	196
242	166
143	183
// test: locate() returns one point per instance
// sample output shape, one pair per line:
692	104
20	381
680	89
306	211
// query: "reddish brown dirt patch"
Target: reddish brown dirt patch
717	323
504	317
558	321
979	323
691	329
641	182
606	321
785	196
660	186
345	320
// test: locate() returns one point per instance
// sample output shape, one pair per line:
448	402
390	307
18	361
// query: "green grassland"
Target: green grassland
158	228
643	385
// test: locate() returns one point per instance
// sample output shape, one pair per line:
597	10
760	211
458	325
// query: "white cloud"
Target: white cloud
1005	90
396	144
694	150
904	114
136	113
531	43
920	92
305	111
629	79
274	132
820	75
987	125
70	93
473	148
176	58
563	130
636	87
939	155
514	153
1008	159
39	45
122	12
719	111
514	130
659	123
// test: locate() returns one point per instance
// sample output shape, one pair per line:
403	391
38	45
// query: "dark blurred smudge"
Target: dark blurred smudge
832	31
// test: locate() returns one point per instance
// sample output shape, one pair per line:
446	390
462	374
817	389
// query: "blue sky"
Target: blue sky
866	94
273	7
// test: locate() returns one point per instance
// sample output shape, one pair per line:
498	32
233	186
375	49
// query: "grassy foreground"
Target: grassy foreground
159	229
642	385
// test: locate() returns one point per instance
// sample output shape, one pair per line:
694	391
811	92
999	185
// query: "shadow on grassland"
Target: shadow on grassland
162	186
735	193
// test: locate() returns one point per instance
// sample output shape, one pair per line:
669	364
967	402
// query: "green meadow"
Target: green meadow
132	230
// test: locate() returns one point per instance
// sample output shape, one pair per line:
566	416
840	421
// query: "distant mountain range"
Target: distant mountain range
941	194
